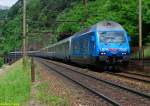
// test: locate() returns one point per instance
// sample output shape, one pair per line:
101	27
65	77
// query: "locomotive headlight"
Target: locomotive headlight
124	53
103	53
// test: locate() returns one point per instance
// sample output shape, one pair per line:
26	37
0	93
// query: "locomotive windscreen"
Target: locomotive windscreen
112	37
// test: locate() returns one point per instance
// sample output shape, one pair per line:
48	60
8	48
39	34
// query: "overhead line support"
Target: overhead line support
140	30
24	33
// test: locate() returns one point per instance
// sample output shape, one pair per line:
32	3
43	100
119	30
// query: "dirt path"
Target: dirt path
4	69
33	100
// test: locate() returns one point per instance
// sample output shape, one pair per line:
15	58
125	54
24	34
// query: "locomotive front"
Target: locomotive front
113	44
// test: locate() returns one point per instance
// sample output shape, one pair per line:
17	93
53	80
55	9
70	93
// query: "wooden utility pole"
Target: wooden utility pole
85	13
24	33
140	30
85	8
85	3
32	70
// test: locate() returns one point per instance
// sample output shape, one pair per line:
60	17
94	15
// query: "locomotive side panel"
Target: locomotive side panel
83	48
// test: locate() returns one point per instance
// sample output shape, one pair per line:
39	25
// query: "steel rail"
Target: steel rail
142	75
108	82
84	86
125	76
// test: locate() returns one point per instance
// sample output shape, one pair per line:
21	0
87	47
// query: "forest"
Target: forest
49	21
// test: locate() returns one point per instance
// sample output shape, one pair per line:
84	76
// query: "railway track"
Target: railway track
110	100
86	87
133	76
133	73
108	82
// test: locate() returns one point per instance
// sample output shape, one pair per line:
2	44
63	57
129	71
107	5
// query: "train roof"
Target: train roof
60	42
107	25
20	52
102	26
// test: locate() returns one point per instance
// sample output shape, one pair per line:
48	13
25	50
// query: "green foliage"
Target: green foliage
124	12
146	11
3	14
12	35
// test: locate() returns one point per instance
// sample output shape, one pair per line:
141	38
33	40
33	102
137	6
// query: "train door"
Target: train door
85	46
92	44
66	50
92	48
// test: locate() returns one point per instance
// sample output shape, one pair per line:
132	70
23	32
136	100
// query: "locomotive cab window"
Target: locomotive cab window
112	37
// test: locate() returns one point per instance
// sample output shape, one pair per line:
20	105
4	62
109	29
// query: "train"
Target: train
106	43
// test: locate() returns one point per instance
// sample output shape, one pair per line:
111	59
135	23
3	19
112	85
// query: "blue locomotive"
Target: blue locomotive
106	42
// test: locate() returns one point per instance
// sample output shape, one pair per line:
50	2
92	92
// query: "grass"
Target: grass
15	85
147	52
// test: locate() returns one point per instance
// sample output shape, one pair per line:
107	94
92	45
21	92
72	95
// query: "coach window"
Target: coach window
76	46
67	46
85	46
